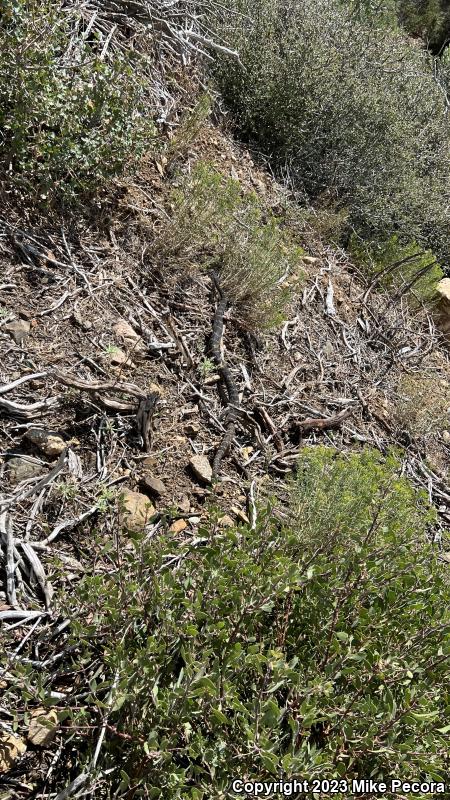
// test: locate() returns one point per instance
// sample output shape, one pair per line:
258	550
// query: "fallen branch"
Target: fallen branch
324	423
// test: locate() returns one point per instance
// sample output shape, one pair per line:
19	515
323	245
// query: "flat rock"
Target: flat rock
178	526
128	335
21	468
226	521
135	509
11	748
18	329
184	504
50	443
43	726
201	468
153	485
443	289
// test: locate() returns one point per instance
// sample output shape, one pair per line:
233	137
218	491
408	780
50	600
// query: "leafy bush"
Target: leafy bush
350	108
73	108
317	649
406	267
422	18
215	225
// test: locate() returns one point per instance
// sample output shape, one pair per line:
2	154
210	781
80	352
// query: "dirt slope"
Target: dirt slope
90	328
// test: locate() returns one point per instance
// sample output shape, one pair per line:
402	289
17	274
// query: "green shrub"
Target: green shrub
73	108
214	224
350	109
316	649
423	18
399	266
420	18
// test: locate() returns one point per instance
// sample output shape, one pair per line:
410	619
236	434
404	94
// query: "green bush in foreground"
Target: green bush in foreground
73	107
216	225
317	649
349	109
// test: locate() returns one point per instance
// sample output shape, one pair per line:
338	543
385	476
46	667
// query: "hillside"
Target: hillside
225	451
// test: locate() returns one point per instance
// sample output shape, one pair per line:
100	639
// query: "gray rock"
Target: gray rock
18	329
50	443
153	485
201	468
20	468
135	509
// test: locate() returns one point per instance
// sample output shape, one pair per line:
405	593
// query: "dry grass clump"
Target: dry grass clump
423	406
215	225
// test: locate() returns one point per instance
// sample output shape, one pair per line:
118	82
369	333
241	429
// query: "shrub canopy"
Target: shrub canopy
72	109
317	648
349	107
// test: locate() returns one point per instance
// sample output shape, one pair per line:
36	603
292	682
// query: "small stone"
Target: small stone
328	349
128	335
43	726
50	443
178	526
19	329
149	463
118	358
156	388
189	410
11	748
240	514
246	452
184	504
226	521
135	509
446	437
202	468
153	485
194	520
21	468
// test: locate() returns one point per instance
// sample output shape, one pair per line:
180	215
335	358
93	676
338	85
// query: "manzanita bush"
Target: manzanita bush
316	648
